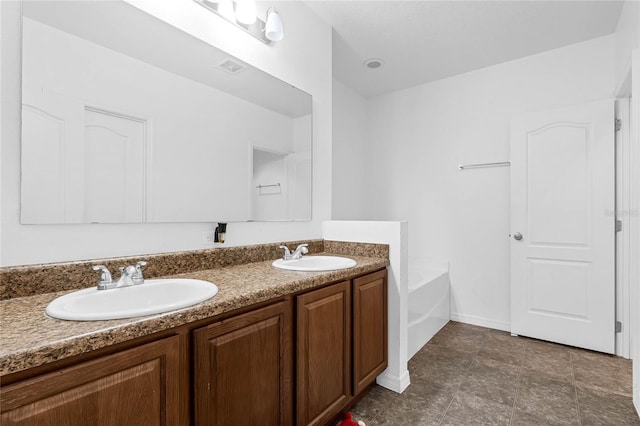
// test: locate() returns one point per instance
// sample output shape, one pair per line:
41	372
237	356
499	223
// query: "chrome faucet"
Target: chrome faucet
300	250
126	276
129	275
297	254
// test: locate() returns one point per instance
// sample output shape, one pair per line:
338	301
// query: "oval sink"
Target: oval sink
315	263
152	297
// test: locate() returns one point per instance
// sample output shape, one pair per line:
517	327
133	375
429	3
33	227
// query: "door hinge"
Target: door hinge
618	327
618	225
618	124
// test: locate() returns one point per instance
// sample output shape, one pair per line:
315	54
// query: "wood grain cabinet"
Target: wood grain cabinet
341	345
243	368
237	370
323	353
369	329
139	386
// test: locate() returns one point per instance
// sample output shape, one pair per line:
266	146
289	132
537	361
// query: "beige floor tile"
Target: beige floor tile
419	406
376	402
604	372
470	375
471	409
551	400
551	363
491	383
602	408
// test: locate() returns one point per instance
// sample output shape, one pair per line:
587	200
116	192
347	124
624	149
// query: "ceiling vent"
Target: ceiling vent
231	66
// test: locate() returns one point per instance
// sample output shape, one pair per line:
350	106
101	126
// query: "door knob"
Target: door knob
517	236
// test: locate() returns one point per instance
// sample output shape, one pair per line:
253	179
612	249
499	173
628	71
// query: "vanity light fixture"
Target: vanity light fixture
246	11
225	9
242	14
274	30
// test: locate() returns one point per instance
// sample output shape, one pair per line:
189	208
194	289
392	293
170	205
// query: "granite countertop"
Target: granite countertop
29	338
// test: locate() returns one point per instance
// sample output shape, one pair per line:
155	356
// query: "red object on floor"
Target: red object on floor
348	421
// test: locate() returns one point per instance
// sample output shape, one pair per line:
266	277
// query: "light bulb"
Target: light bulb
225	9
246	11
273	29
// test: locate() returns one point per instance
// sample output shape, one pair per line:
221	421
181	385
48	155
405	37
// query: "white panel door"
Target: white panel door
51	129
114	168
562	212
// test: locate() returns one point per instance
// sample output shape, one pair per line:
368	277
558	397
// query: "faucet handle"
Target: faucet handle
287	252
138	277
105	276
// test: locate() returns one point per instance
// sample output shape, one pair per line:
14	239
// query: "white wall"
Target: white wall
627	60
395	234
303	59
420	135
350	154
635	229
627	37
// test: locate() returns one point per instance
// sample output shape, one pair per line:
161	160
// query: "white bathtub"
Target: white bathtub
428	301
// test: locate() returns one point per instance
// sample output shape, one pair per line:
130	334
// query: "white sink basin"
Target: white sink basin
315	263
152	297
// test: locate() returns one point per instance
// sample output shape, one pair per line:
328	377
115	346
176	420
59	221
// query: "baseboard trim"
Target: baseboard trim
394	383
480	321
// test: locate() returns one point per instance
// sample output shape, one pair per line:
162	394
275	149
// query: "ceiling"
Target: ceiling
424	41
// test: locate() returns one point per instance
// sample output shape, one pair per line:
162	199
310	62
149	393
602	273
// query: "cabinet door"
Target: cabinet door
323	353
243	369
139	386
369	328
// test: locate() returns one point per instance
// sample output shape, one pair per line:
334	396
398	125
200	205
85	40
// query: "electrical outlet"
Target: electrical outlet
208	237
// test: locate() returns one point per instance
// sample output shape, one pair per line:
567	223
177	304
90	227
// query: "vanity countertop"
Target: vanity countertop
29	338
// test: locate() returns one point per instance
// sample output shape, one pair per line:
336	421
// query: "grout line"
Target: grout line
444	414
515	396
515	399
575	388
473	360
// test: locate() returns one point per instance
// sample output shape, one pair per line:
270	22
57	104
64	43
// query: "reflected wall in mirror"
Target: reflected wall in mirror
126	119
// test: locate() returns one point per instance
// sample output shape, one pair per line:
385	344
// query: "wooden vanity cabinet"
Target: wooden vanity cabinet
323	353
238	370
243	369
369	329
138	386
341	345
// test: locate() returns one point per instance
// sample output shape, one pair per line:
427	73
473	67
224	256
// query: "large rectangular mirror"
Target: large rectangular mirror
126	119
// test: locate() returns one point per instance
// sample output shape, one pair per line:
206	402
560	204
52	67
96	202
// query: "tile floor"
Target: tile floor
468	375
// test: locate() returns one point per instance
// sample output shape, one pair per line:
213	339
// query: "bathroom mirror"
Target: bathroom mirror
126	119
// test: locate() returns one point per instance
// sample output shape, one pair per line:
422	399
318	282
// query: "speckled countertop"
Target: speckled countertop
28	338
